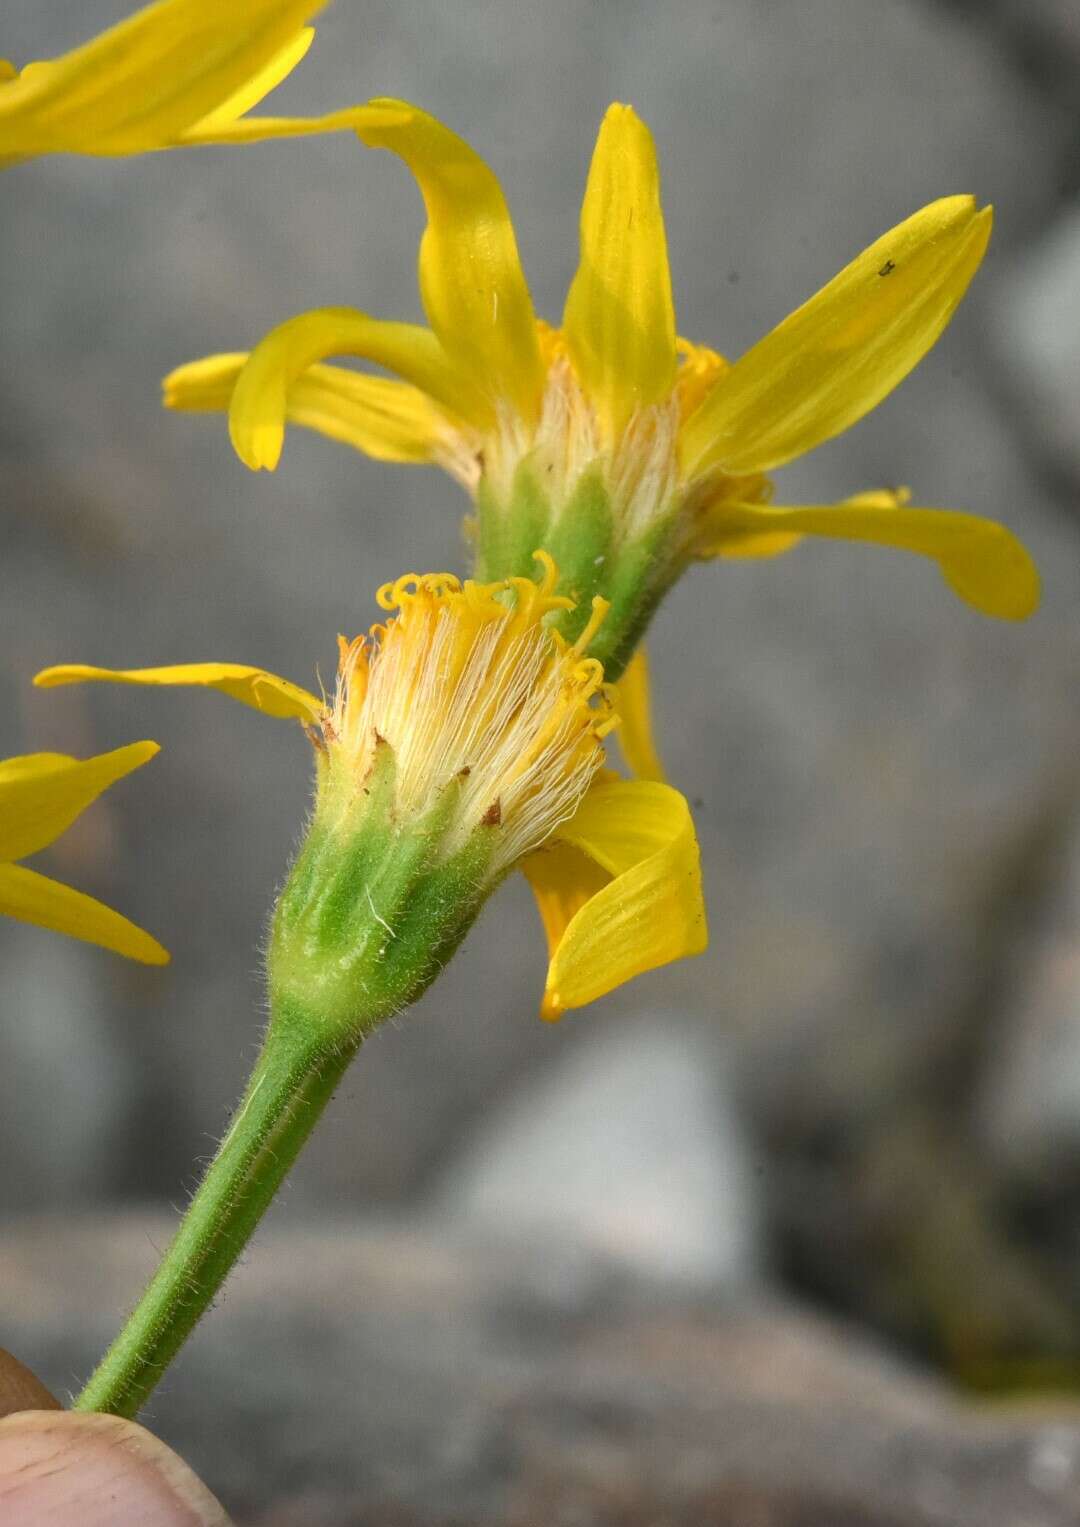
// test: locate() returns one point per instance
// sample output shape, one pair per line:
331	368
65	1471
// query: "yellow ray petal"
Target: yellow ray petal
649	913
981	561
838	355
699	370
232	132
251	686
34	898
634	707
620	823
619	321
471	282
41	794
773	543
391	421
260	399
259	86
139	85
563	879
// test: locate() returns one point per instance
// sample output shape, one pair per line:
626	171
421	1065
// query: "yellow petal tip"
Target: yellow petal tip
551	1007
259	448
381	112
48	678
996	575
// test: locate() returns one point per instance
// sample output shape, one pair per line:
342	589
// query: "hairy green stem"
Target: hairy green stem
290	1086
371	911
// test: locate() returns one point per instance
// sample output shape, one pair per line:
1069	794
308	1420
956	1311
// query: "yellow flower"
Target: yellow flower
175	75
464	740
626	451
41	794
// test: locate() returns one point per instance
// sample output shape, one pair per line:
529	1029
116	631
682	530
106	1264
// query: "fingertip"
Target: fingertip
64	1469
20	1389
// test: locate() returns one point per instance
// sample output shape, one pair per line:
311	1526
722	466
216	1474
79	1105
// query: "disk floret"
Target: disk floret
469	690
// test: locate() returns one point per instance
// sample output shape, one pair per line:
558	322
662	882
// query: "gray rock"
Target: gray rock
1029	1102
1042	37
1037	324
627	1145
51	1029
386	1375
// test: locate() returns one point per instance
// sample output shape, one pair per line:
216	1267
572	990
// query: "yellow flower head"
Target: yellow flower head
468	688
464	739
625	450
41	794
176	74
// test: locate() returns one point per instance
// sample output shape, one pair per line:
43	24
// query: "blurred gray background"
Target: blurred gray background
868	1089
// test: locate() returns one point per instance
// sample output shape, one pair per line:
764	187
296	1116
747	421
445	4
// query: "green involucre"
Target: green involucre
593	553
373	907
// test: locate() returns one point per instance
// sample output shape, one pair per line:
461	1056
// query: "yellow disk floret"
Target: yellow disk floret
467	683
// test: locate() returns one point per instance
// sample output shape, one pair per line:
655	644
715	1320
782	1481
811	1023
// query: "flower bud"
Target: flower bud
463	731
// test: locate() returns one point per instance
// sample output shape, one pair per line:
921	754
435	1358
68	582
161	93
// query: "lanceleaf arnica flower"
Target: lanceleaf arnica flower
464	740
41	794
176	74
626	451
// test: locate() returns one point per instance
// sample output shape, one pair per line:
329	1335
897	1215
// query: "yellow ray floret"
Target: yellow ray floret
636	736
251	686
981	562
837	356
635	905
388	420
471	282
619	319
469	688
41	794
260	402
175	74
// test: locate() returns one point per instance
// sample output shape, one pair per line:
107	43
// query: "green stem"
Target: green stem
290	1086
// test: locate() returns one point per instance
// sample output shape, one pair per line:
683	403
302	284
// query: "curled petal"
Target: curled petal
634	706
34	898
640	835
563	880
41	794
619	321
391	421
251	686
142	84
837	356
471	281
260	399
981	561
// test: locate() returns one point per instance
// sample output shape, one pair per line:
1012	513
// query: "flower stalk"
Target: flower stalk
291	1084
